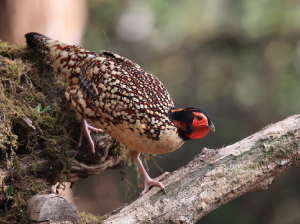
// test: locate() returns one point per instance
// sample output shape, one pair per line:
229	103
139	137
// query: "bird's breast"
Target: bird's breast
135	138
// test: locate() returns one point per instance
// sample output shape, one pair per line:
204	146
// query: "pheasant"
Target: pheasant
122	99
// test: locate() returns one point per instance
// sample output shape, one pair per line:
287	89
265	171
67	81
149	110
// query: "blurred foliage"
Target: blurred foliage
237	60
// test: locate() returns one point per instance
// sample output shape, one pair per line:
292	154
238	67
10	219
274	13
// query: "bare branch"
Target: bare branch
217	176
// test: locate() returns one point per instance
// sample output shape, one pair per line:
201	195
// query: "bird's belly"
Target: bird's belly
168	140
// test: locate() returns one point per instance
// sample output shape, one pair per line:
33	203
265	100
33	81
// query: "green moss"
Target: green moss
30	89
33	166
17	164
87	218
17	203
26	82
121	149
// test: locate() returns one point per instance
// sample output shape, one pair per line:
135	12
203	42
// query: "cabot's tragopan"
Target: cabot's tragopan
123	100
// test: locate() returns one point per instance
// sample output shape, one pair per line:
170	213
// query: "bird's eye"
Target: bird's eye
199	118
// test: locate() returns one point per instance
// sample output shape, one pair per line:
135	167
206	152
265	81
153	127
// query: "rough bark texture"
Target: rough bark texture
43	208
217	176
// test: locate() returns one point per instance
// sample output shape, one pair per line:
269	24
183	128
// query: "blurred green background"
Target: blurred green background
237	60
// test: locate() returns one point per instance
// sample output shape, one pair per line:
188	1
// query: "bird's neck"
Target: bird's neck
182	128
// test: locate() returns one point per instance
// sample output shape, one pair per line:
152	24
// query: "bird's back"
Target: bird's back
114	94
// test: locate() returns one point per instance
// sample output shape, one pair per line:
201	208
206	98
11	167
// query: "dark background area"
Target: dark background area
239	60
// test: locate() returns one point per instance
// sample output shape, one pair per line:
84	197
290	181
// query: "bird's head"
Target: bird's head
192	123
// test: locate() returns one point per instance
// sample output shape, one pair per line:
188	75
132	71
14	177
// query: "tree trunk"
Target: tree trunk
60	20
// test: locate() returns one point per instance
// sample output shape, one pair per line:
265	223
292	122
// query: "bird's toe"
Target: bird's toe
153	182
161	176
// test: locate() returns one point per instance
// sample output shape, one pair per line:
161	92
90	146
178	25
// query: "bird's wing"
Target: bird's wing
120	92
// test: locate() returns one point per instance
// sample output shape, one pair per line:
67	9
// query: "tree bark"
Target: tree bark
217	176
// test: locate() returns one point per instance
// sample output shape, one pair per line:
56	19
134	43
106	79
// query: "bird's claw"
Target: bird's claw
148	182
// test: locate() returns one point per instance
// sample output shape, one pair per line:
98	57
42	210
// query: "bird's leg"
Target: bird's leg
147	181
85	131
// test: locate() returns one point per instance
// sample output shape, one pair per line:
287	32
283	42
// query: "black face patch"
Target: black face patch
183	116
183	135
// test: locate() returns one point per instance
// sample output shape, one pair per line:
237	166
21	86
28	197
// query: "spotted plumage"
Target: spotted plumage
116	95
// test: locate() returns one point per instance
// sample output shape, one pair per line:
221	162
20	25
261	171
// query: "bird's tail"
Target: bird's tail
37	42
54	52
44	45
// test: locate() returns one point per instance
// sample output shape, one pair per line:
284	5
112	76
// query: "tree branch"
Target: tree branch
217	176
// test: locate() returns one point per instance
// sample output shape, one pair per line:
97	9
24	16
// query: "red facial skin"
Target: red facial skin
201	126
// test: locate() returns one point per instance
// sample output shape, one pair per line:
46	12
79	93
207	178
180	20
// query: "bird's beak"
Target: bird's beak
212	127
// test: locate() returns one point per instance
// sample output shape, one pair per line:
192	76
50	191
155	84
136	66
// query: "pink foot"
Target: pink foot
85	131
147	181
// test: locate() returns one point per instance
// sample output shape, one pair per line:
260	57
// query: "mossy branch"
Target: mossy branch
39	134
217	176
